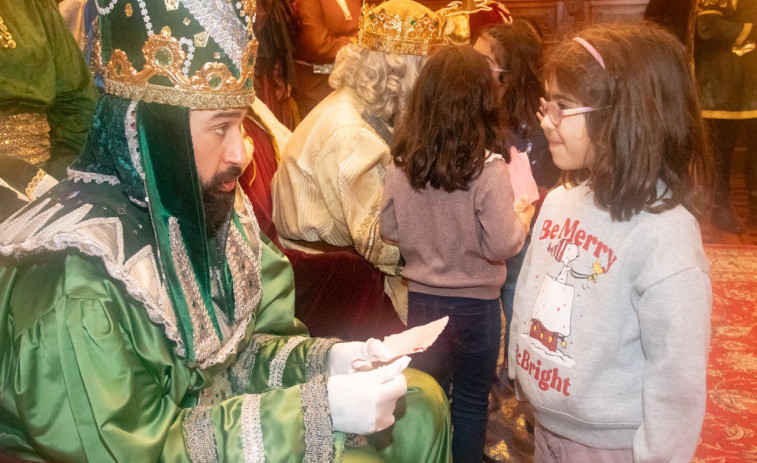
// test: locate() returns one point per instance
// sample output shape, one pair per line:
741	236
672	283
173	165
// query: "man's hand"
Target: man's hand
349	357
363	403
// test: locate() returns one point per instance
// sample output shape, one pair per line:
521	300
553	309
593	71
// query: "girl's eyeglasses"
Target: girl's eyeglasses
555	113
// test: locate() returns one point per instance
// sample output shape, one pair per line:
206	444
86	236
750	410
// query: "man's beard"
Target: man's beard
217	203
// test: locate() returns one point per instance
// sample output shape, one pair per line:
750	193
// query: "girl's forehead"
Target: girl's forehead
553	90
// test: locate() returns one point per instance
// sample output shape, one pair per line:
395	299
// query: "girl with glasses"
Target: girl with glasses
612	308
448	203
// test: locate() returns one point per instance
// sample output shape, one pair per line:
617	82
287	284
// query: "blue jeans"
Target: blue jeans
507	294
466	356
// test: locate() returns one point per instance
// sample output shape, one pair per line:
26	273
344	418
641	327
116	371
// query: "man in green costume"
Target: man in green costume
144	317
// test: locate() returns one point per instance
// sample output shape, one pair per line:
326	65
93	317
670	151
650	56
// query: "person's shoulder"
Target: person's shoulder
494	165
69	273
677	221
562	192
341	107
41	284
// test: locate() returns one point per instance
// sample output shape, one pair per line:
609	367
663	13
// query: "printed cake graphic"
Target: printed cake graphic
551	313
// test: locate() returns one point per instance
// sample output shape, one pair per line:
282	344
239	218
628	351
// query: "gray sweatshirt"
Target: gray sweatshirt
456	243
611	330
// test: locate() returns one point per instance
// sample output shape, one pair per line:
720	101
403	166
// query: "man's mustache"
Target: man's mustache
229	175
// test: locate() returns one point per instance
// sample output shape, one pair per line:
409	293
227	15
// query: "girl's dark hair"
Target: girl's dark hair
517	49
451	120
651	128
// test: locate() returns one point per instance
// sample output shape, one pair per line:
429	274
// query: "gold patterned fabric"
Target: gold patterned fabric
25	136
6	38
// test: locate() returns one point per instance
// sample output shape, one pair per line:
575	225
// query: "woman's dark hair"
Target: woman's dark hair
451	120
517	49
651	128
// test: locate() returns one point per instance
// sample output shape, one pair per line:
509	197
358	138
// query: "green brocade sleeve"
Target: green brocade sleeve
93	379
46	72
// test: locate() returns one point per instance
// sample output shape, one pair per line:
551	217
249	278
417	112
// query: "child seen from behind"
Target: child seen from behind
610	333
448	203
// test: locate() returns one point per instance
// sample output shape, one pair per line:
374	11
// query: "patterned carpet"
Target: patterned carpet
729	434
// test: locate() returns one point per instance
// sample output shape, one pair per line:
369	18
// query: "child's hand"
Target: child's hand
525	211
539	115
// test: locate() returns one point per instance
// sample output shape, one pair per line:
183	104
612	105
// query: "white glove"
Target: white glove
363	403
349	357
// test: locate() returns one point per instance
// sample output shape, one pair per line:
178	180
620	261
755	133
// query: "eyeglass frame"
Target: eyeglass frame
564	112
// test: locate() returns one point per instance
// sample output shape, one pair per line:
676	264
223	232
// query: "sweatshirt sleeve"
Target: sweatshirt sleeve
674	321
501	234
388	219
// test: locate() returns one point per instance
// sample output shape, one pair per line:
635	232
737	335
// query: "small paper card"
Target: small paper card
521	177
415	339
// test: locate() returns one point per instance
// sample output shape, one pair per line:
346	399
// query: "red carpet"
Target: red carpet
729	434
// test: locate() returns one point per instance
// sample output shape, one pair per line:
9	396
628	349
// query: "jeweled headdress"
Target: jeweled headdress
401	26
194	53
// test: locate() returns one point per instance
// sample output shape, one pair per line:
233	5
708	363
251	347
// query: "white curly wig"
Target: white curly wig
382	80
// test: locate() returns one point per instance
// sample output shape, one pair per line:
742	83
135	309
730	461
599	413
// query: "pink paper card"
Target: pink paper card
415	339
521	177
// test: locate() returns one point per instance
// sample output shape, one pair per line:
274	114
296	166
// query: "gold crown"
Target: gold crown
401	26
213	86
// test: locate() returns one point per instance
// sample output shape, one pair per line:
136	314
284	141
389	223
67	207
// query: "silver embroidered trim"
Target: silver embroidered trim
25	229
130	130
217	392
89	177
105	10
355	440
318	356
319	432
63	223
29	211
190	54
239	374
252	432
220	20
244	265
204	337
279	362
66	235
201	440
246	217
145	17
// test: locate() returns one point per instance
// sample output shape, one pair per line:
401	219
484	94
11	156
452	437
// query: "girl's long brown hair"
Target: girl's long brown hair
451	120
651	128
518	50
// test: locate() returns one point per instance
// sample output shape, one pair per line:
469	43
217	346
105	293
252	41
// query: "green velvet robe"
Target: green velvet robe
87	375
